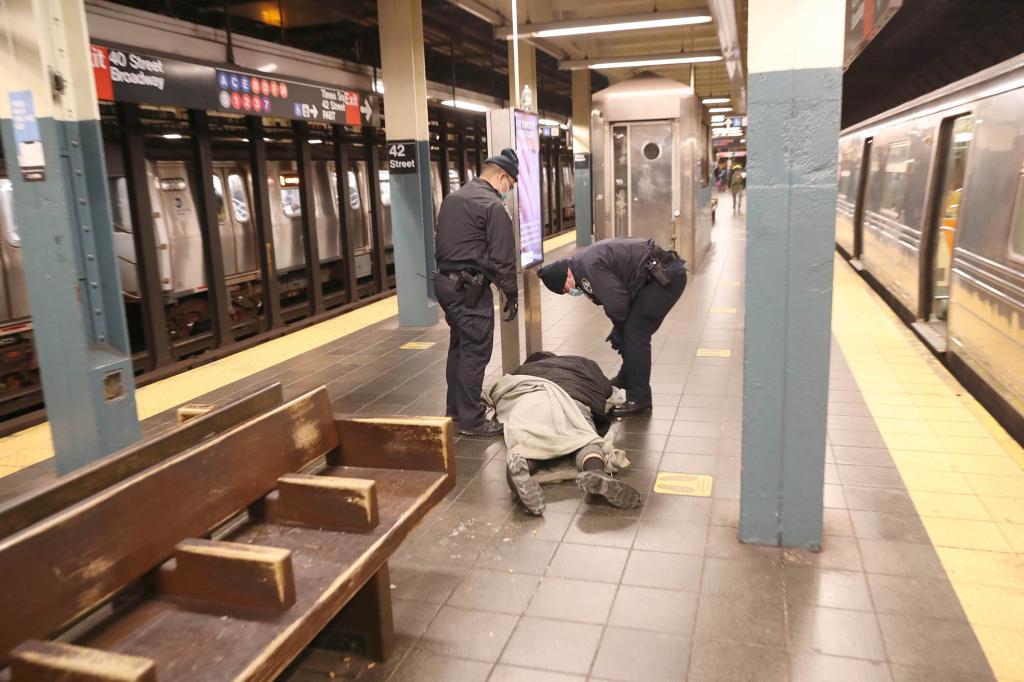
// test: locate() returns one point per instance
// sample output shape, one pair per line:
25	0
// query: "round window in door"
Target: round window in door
651	151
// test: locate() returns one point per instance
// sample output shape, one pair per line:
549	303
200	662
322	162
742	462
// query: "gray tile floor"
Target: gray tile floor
664	592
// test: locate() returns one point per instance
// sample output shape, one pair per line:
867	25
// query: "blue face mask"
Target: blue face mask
575	292
504	195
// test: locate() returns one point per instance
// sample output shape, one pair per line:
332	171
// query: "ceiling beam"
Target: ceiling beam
724	13
482	11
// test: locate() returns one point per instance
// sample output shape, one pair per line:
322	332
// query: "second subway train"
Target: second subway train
931	207
170	177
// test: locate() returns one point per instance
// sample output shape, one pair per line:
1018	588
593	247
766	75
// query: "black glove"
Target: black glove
511	309
615	339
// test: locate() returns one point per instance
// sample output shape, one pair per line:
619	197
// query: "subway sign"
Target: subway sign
128	75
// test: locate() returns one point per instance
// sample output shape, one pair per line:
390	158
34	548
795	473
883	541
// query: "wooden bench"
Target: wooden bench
228	557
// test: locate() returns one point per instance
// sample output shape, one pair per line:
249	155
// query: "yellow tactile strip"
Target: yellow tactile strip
33	445
961	469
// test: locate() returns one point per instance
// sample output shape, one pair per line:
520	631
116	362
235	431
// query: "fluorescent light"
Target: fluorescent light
548	122
715	100
269	68
629	22
316	141
172	136
743	139
718	124
563	126
462	104
378	85
718	117
621	26
717	110
665	61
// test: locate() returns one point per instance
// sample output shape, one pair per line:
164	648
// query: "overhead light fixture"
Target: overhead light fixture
268	68
172	136
563	126
629	22
635	61
743	139
378	86
316	141
548	122
719	110
718	124
718	117
467	106
715	100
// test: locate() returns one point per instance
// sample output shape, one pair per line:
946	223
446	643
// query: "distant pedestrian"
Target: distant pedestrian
737	183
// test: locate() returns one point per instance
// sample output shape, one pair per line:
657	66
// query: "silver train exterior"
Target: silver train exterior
931	206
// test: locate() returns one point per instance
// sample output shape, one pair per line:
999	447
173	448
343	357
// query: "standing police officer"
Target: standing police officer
637	283
475	246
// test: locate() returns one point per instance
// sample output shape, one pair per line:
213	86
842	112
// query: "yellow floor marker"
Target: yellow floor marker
693	485
963	472
714	353
730	311
416	345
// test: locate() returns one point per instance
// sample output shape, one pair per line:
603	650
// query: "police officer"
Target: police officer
475	246
637	283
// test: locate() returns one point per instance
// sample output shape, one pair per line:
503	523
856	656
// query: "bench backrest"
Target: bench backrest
64	566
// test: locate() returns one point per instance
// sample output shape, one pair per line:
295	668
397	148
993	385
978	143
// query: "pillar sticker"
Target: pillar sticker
26	136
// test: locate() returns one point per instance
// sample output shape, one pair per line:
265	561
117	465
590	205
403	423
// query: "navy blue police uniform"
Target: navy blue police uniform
637	283
475	246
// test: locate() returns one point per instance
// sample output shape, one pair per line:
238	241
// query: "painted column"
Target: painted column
581	106
412	209
50	128
795	61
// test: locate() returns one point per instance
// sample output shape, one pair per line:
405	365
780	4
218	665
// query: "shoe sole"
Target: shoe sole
477	434
526	489
638	413
617	493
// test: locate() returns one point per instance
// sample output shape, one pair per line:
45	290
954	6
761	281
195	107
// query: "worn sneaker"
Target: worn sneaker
489	429
618	493
522	484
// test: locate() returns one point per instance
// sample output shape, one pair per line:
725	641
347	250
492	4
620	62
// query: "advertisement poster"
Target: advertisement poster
531	243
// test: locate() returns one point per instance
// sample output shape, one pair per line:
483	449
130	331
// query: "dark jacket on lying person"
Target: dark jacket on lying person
580	377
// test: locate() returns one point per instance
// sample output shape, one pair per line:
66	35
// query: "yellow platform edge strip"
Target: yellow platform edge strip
34	444
962	470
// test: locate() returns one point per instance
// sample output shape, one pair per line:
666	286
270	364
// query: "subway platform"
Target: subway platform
922	572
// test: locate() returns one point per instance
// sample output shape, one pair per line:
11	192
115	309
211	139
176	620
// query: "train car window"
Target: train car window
218	195
239	200
1017	226
353	192
291	198
11	234
894	179
385	187
120	209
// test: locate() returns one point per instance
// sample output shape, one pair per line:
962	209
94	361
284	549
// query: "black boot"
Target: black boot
630	408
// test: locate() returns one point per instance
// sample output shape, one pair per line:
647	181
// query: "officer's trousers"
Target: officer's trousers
469	350
649	308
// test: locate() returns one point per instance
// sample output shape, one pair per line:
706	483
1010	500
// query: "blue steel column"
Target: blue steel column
795	90
412	206
63	212
581	106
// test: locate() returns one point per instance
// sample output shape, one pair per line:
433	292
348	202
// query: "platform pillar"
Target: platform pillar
582	103
50	128
795	61
412	208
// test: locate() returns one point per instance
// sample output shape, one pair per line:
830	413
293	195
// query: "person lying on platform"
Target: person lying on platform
637	283
555	408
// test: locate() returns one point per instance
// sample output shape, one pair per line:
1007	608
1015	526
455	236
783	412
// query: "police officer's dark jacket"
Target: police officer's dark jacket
611	272
475	231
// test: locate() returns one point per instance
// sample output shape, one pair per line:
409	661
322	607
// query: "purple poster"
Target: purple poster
531	243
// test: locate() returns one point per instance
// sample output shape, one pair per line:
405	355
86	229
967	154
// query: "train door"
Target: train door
359	203
955	139
234	217
13	289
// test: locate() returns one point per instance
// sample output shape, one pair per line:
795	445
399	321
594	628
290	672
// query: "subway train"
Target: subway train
931	210
170	179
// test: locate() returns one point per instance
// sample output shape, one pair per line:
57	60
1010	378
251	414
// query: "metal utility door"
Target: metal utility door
650	182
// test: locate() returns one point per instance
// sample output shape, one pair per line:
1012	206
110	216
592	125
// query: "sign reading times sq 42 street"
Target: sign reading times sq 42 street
124	75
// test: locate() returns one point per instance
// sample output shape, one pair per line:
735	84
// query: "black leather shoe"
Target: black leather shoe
489	429
631	408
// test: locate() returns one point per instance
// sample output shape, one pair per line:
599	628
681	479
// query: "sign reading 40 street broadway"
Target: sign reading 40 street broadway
126	75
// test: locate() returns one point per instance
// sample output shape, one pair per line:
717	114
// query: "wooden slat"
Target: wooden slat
328	502
61	568
231	574
36	505
425	443
36	661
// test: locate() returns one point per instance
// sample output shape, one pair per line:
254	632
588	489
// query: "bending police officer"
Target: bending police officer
637	283
475	246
